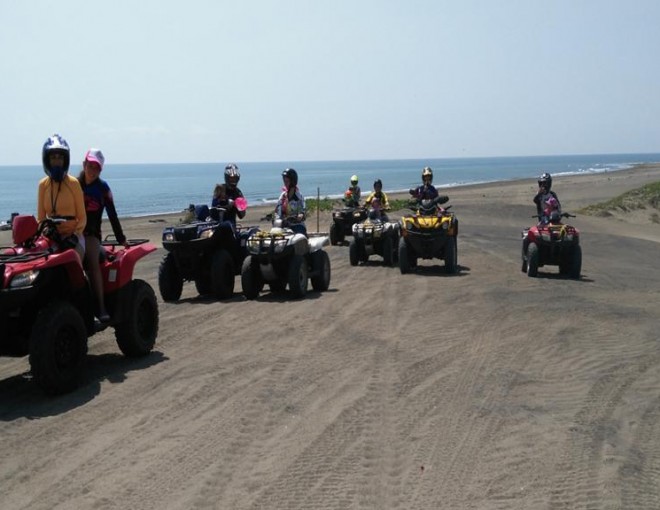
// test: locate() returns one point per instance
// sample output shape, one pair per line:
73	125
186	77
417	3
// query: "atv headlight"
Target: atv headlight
205	234
168	237
445	225
23	279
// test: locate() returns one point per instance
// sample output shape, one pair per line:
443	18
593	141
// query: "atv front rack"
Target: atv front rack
13	258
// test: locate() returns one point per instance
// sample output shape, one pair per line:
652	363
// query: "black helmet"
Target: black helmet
232	175
55	145
292	175
427	172
378	183
545	181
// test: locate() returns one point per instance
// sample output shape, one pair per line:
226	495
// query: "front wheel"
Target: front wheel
170	283
451	256
576	262
334	235
58	348
388	251
222	275
251	279
532	260
136	335
404	262
298	276
353	255
321	265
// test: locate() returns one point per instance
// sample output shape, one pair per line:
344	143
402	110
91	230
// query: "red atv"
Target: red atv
552	243
47	307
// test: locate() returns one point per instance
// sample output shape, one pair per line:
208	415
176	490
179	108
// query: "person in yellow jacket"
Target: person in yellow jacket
377	200
60	195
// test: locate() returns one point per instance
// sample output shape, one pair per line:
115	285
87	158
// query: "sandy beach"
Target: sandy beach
483	390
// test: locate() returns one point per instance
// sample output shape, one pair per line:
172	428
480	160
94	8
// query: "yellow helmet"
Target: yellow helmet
354	179
427	172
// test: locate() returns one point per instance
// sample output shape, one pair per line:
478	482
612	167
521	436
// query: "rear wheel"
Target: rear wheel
353	255
137	334
58	347
170	283
321	265
298	276
451	256
251	279
532	260
576	262
222	275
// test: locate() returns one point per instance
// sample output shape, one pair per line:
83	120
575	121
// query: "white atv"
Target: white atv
374	236
282	257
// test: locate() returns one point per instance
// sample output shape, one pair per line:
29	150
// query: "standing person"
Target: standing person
544	193
378	195
226	197
60	195
353	194
426	191
290	207
97	198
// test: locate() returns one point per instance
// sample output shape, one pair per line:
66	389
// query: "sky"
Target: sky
158	81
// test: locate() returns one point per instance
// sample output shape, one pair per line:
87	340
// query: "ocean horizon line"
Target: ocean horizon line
402	159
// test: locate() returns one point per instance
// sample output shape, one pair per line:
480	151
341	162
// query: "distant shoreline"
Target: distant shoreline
262	209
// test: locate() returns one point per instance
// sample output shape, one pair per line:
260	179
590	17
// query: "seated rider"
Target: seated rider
544	193
426	191
551	212
290	208
378	198
353	194
60	195
225	195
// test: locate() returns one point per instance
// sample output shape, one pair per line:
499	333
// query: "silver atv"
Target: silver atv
281	257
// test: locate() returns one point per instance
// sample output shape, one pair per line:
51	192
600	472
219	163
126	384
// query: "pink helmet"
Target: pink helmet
552	203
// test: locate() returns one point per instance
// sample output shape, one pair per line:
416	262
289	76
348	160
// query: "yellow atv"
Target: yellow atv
430	232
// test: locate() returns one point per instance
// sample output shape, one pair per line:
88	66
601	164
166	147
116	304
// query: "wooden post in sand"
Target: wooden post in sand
318	208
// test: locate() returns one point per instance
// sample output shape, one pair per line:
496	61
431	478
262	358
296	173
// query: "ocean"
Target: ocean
148	189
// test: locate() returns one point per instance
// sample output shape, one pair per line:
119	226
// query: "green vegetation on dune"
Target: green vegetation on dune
647	196
328	204
324	204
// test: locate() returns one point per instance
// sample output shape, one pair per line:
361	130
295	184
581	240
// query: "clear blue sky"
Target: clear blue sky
285	80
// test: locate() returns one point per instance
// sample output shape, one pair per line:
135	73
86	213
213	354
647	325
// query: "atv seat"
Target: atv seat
24	227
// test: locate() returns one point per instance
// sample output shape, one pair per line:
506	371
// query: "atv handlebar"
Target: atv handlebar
429	204
539	216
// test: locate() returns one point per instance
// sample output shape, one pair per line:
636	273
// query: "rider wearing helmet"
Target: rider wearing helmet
378	196
225	195
60	195
290	208
426	191
544	194
353	194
